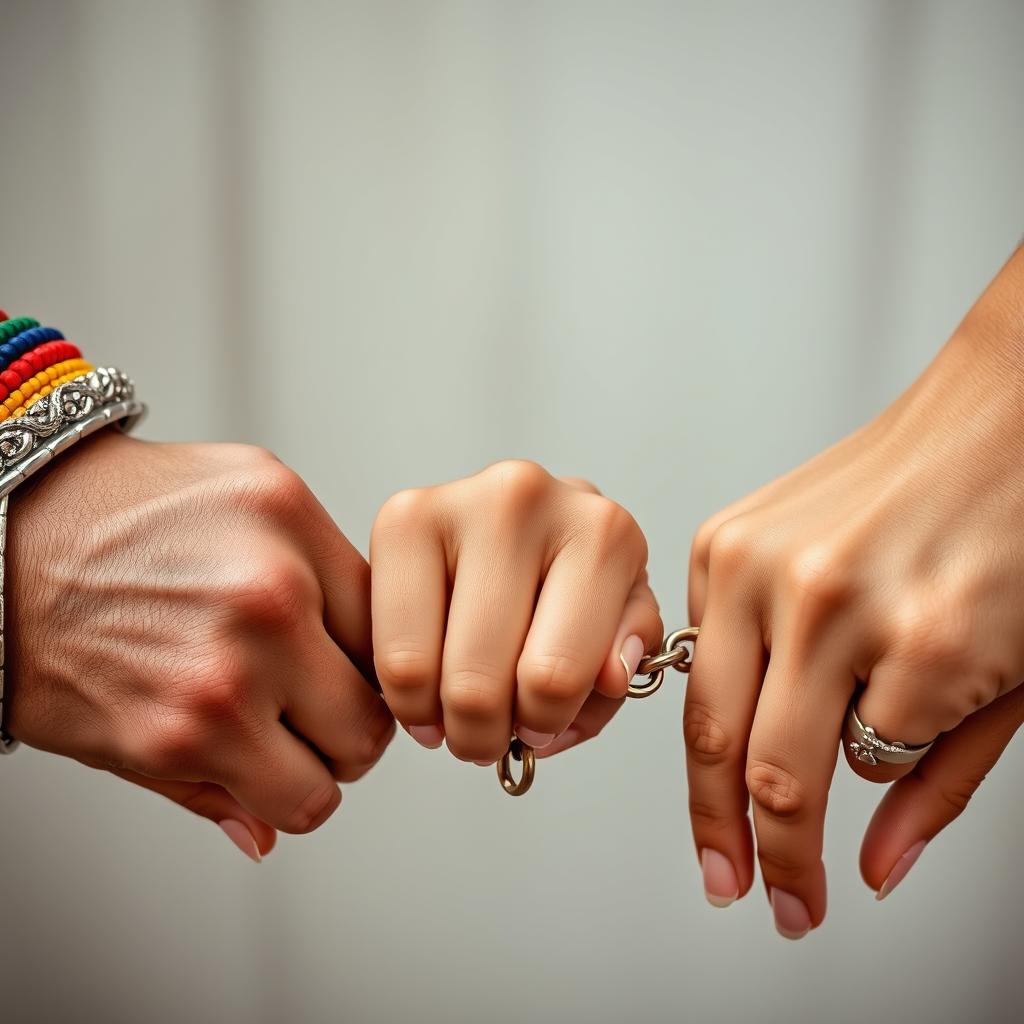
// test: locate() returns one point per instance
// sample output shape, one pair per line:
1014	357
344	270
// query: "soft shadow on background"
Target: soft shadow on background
674	247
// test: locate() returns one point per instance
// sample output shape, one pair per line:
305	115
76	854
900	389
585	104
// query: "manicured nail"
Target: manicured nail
537	740
900	869
241	837
429	736
792	921
568	739
720	884
630	655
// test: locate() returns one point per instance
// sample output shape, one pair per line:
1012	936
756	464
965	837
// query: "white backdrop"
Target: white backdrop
675	247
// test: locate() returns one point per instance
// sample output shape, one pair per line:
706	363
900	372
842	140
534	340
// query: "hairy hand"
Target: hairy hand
190	618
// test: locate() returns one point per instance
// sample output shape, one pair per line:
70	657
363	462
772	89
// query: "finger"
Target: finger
336	712
572	636
409	582
794	744
596	713
918	807
721	697
282	782
907	704
640	632
344	577
491	607
253	837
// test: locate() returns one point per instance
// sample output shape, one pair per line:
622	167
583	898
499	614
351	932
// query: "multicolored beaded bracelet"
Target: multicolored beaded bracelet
51	398
69	369
39	359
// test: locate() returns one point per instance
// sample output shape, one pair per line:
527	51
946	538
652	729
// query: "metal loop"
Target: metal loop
673	654
517	751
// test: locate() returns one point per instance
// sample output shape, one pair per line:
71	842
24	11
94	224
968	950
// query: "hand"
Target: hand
508	601
189	617
893	560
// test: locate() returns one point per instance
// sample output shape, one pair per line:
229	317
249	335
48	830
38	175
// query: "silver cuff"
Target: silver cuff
101	398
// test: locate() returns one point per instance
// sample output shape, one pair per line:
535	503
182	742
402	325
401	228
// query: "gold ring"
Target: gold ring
517	751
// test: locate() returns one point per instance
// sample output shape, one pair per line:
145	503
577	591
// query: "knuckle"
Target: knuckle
778	867
273	593
951	793
707	817
775	789
706	739
700	548
368	748
220	692
615	531
402	509
377	738
312	810
474	694
557	677
817	574
169	748
403	666
271	489
519	482
731	547
926	640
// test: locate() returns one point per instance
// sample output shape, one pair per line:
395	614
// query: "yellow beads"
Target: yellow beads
24	397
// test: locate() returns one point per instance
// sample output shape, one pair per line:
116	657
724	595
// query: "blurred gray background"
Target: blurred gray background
675	247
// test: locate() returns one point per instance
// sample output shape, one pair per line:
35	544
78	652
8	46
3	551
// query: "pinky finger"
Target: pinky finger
253	837
595	714
919	806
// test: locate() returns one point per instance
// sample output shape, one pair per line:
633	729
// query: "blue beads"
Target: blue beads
21	343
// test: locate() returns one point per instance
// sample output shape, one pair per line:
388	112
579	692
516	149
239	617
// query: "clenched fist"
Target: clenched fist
189	617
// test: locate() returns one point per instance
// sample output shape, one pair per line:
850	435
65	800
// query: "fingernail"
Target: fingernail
720	884
241	837
792	921
537	740
900	869
484	764
429	736
630	655
568	739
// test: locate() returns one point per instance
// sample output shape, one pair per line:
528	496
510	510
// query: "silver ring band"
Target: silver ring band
868	748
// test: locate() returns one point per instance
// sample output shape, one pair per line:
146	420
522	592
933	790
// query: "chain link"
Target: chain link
676	652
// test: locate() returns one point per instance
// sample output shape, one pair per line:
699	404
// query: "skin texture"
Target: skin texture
893	562
502	603
194	622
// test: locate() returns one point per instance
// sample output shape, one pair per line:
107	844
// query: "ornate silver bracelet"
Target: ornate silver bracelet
57	421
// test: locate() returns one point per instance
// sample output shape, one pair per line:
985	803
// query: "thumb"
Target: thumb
919	806
639	633
253	837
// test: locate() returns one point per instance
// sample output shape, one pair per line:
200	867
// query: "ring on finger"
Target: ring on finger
869	748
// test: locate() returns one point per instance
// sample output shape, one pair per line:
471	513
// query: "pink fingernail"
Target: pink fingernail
792	919
630	655
721	886
568	739
900	869
429	736
532	738
241	837
484	764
